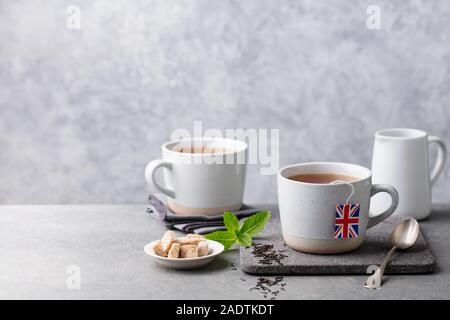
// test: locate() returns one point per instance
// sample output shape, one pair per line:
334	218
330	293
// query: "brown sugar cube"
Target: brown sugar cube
202	248
174	251
186	241
157	248
189	251
167	240
193	235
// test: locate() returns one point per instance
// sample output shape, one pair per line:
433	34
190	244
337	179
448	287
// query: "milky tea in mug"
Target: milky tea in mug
201	176
328	177
324	206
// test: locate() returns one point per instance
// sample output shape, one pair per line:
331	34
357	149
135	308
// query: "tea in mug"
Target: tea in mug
322	178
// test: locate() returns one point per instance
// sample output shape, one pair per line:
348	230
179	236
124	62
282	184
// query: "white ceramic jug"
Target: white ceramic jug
400	158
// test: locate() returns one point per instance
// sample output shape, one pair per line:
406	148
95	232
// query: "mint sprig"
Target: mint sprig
236	232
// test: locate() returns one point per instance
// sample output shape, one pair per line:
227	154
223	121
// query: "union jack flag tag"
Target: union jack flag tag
347	221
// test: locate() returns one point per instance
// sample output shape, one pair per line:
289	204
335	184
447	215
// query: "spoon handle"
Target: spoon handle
386	261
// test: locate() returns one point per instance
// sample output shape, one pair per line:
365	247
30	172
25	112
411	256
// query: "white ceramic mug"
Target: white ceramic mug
201	183
400	158
308	210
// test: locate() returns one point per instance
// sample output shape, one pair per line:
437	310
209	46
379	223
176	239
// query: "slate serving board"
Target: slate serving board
417	259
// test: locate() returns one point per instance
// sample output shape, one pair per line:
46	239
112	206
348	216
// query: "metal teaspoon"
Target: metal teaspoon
403	237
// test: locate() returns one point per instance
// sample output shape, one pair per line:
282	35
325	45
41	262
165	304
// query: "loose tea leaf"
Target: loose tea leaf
267	254
269	288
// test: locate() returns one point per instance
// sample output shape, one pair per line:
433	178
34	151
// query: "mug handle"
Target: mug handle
441	157
376	188
150	170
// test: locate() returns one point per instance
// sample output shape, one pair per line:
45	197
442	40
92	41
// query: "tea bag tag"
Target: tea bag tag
346	223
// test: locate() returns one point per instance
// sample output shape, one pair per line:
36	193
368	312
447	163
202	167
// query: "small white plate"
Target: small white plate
214	248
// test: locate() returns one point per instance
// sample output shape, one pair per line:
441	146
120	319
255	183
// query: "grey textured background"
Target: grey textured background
83	111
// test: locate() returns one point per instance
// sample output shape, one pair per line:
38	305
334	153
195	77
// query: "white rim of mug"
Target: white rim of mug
409	134
239	146
368	174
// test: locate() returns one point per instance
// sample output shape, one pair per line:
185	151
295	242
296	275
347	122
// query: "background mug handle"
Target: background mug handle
441	157
150	170
376	188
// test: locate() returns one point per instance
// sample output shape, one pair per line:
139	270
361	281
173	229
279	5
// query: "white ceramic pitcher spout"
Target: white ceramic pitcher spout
401	159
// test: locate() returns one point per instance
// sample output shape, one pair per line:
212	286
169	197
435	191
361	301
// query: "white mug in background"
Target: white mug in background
400	158
202	176
308	211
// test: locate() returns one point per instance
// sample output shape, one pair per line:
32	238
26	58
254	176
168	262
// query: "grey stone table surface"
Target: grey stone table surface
39	245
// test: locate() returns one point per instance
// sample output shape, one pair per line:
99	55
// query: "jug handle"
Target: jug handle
441	157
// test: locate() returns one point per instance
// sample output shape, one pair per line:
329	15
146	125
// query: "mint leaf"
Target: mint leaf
255	223
244	239
241	235
231	221
226	238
